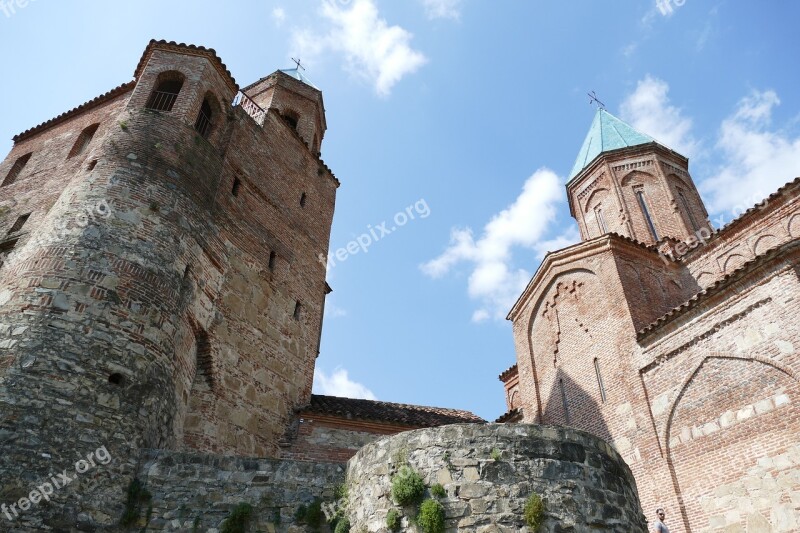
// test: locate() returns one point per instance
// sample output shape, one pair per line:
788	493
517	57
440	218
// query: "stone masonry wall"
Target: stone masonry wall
194	492
489	471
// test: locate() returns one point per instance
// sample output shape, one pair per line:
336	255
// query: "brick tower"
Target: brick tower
159	285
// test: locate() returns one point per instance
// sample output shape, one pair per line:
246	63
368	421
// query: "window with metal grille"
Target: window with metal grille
303	200
18	224
646	213
16	169
203	123
84	139
272	257
166	93
237	184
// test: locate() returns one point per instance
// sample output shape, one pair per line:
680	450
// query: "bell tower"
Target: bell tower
625	182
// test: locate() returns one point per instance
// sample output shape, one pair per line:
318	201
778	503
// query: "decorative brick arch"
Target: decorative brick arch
685	386
764	243
793	226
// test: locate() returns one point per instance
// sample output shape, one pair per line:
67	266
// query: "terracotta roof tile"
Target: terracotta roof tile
410	415
113	93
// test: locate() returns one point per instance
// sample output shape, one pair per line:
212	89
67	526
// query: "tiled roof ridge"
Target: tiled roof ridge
715	288
190	47
321	404
113	93
505	373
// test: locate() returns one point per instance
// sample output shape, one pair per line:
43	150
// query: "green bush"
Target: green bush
496	454
438	491
342	526
431	517
239	519
408	487
534	512
314	514
393	520
136	497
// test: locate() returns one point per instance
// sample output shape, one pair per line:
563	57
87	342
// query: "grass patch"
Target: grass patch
534	512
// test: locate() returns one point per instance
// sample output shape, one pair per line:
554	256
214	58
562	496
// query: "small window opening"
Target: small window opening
203	123
18	224
291	118
297	310
564	400
116	379
83	141
601	221
600	380
688	211
6	249
272	257
303	200
236	185
16	169
165	95
92	165
646	213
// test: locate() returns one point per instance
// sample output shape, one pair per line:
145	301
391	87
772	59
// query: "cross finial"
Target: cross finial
594	100
299	66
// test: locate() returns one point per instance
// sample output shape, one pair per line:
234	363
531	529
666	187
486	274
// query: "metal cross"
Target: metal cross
594	100
297	62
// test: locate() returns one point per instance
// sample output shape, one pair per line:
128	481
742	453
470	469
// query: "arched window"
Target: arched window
84	139
204	122
291	118
646	212
16	169
165	94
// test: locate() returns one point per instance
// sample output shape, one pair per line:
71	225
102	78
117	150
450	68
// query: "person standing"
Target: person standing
661	527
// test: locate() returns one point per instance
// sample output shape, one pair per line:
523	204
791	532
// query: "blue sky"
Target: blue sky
469	113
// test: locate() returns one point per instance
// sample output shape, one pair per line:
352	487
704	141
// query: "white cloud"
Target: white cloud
494	281
757	160
751	159
279	16
334	311
648	110
437	9
340	384
373	50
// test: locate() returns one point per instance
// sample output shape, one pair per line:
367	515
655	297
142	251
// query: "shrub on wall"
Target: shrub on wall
438	491
408	487
393	520
431	517
239	519
534	512
342	526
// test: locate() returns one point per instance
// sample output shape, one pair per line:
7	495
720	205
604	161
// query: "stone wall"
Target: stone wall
489	471
194	492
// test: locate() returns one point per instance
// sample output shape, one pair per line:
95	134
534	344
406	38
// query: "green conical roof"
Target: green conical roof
606	133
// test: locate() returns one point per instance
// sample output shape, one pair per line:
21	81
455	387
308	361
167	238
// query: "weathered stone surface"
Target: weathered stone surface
585	484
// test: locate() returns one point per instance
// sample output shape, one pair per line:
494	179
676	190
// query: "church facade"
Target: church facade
675	342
